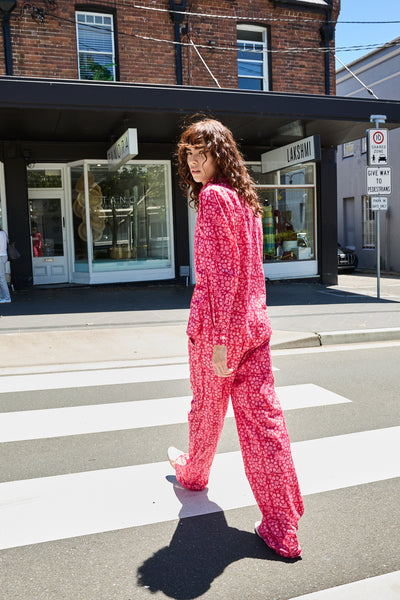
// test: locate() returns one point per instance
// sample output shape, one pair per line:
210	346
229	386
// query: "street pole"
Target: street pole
378	254
377	120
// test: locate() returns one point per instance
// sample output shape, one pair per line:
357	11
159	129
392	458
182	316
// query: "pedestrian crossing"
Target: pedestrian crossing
55	422
107	499
78	504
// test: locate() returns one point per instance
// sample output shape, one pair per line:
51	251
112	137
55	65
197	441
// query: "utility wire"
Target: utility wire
234	47
246	18
237	17
204	62
369	90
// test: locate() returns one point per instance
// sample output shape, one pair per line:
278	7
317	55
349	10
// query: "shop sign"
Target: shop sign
305	150
123	150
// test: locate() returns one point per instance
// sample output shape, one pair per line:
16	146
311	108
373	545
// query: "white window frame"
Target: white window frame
93	52
128	275
295	268
348	149
3	208
265	75
368	218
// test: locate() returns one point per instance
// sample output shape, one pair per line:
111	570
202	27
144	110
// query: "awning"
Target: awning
45	110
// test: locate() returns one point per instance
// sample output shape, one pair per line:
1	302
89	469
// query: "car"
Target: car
347	259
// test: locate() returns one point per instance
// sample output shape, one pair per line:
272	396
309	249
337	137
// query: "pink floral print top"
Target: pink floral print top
229	302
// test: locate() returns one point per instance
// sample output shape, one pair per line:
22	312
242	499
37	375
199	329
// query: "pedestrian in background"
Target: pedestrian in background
4	291
229	333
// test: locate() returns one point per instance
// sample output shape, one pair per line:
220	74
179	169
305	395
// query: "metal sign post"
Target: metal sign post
377	154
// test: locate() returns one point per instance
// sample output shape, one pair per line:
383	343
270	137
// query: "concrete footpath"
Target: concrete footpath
72	325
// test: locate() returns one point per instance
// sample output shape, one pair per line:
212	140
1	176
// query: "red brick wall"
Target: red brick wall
49	49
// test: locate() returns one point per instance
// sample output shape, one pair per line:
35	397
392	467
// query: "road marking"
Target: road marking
93	378
382	587
114	364
56	422
64	506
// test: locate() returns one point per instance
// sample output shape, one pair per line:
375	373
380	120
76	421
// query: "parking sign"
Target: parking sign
377	147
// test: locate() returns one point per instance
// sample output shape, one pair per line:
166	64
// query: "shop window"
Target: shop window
348	149
288	200
129	217
96	49
79	219
368	223
252	57
44	178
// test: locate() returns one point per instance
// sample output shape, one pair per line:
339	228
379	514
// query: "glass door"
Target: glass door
48	239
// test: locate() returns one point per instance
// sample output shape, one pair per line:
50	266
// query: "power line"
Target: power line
236	48
246	18
369	90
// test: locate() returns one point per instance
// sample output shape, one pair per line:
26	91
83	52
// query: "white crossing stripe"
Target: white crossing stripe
64	506
382	587
96	377
56	422
93	377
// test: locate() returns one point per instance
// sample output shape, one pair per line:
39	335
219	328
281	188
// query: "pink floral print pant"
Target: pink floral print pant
262	433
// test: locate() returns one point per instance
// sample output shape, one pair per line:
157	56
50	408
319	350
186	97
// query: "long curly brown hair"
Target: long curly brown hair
230	167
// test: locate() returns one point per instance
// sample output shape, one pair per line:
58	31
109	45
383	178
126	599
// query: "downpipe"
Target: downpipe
6	10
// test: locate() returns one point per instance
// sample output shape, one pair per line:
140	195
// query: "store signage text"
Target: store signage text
125	148
305	150
379	180
379	203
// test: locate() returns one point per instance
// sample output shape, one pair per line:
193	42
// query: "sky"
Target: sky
360	35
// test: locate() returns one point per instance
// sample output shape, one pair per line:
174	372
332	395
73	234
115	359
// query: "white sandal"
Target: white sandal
173	454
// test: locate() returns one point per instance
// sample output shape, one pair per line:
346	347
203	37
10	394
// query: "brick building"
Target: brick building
76	76
45	42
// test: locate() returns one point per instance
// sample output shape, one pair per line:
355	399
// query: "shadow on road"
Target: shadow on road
97	299
131	298
200	550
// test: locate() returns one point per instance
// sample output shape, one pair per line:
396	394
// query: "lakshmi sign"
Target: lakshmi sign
123	150
305	150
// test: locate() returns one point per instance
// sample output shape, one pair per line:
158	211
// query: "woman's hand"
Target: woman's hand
219	362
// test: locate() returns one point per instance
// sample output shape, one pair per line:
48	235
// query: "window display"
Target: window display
127	216
288	199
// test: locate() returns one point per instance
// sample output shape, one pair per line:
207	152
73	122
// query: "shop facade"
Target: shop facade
89	224
77	219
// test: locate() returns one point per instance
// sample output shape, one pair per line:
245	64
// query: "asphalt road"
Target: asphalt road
90	510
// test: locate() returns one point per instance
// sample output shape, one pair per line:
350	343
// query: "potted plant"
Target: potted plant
289	240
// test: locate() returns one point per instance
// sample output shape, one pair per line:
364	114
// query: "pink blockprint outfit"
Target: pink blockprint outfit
229	308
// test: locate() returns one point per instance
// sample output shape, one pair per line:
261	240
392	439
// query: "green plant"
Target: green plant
90	69
287	236
101	72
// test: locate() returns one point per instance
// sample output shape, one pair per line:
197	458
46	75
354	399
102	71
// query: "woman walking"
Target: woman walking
229	333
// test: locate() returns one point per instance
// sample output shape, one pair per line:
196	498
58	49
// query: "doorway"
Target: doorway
48	236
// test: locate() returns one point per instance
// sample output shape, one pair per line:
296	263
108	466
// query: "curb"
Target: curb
26	350
287	340
354	336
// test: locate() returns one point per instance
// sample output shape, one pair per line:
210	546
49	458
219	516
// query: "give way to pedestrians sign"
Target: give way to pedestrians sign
379	180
